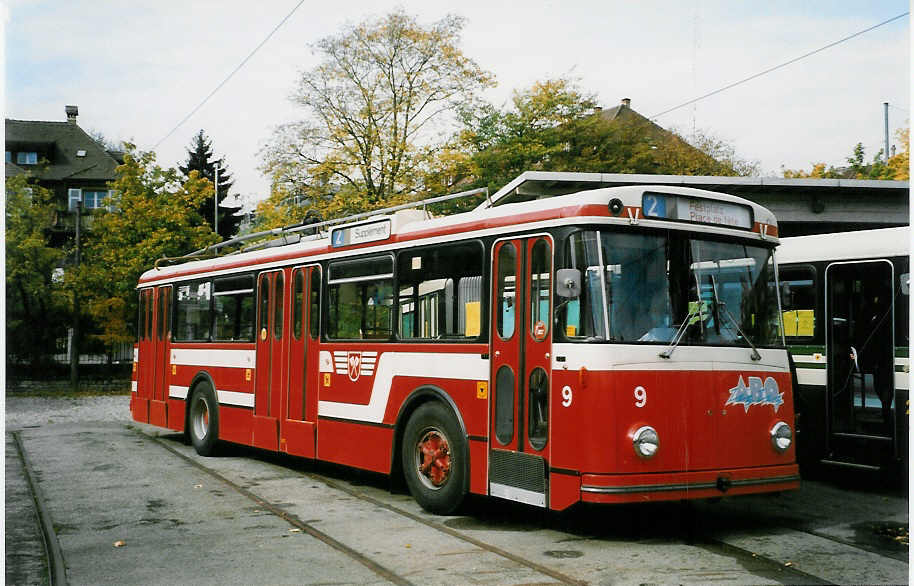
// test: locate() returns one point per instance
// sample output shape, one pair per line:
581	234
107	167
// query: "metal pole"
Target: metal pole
74	342
885	107
216	201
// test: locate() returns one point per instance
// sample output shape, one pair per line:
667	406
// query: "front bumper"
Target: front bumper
627	488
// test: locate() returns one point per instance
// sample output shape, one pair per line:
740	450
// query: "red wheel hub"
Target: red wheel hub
435	458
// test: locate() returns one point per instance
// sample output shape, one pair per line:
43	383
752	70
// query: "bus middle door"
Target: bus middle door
297	431
521	364
161	329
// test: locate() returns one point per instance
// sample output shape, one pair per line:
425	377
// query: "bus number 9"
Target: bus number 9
566	396
640	396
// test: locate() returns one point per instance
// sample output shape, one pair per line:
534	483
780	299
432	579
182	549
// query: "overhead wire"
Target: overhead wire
230	75
776	67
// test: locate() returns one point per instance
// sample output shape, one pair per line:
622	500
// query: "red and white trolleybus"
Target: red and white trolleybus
563	342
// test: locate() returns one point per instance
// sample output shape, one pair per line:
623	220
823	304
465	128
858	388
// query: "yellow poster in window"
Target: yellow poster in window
473	323
799	323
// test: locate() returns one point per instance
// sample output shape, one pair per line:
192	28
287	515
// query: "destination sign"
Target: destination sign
696	209
360	234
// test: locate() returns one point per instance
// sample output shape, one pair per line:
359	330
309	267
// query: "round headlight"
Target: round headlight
646	441
781	436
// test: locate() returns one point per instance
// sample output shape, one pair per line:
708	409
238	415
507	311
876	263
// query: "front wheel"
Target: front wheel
203	424
434	459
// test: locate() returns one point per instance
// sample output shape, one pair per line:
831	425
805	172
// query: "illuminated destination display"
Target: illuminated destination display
360	234
694	209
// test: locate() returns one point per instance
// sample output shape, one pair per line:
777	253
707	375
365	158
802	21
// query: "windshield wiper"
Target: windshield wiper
720	304
680	333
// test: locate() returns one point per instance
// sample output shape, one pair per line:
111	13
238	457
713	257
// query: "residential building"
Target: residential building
65	159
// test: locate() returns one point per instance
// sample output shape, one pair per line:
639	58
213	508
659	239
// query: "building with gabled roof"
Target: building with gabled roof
63	158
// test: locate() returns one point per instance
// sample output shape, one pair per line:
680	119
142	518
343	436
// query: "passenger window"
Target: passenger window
361	299
440	294
277	308
798	301
233	309
298	293
540	289
193	315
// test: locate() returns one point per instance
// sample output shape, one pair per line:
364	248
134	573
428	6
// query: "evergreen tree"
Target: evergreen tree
200	158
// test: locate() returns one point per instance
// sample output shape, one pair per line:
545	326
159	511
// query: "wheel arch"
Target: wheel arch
201	377
417	398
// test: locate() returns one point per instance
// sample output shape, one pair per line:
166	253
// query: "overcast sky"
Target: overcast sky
135	69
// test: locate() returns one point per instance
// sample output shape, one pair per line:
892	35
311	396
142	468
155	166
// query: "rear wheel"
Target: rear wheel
434	459
203	424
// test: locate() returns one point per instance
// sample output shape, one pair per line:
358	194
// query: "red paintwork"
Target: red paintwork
361	446
683	478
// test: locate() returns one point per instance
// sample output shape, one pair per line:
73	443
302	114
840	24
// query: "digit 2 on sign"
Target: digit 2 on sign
640	396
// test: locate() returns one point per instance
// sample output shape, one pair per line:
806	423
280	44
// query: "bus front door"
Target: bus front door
268	378
297	431
860	349
520	369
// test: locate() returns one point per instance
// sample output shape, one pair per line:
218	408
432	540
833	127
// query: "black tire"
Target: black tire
434	456
203	420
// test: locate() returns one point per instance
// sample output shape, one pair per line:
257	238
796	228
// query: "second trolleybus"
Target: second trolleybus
608	345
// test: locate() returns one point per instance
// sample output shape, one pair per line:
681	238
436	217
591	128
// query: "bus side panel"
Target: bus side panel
581	418
158	413
364	446
479	466
176	414
235	424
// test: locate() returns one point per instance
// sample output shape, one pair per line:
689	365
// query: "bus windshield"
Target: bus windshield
644	287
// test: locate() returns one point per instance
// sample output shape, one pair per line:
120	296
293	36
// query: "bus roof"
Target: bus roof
385	232
845	245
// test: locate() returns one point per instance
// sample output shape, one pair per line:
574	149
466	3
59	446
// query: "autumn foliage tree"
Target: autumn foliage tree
374	104
896	168
37	306
153	215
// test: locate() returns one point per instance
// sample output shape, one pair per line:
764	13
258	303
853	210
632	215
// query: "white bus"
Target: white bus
845	309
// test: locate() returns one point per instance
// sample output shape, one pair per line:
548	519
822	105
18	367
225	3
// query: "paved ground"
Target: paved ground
131	504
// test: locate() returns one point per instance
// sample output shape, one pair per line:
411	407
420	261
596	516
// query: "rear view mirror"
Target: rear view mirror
568	283
906	284
785	294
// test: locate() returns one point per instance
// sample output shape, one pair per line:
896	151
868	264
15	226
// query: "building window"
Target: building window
91	198
9	157
27	158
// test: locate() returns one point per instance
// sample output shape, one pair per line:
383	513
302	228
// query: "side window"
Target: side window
505	291
193	317
298	293
540	289
440	292
278	283
798	301
361	299
314	319
264	309
233	309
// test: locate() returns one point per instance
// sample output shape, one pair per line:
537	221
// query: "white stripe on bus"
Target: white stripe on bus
427	365
225	397
214	357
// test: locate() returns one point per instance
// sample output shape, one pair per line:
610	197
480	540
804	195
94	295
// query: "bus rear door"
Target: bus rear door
159	377
269	372
520	372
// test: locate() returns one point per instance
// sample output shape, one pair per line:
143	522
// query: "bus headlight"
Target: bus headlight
781	436
646	441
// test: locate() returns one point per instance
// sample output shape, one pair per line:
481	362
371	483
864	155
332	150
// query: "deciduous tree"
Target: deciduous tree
153	215
375	108
37	310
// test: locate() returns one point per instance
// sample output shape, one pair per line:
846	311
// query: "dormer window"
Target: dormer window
27	158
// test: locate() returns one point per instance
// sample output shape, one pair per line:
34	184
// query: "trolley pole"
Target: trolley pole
885	108
74	341
216	199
